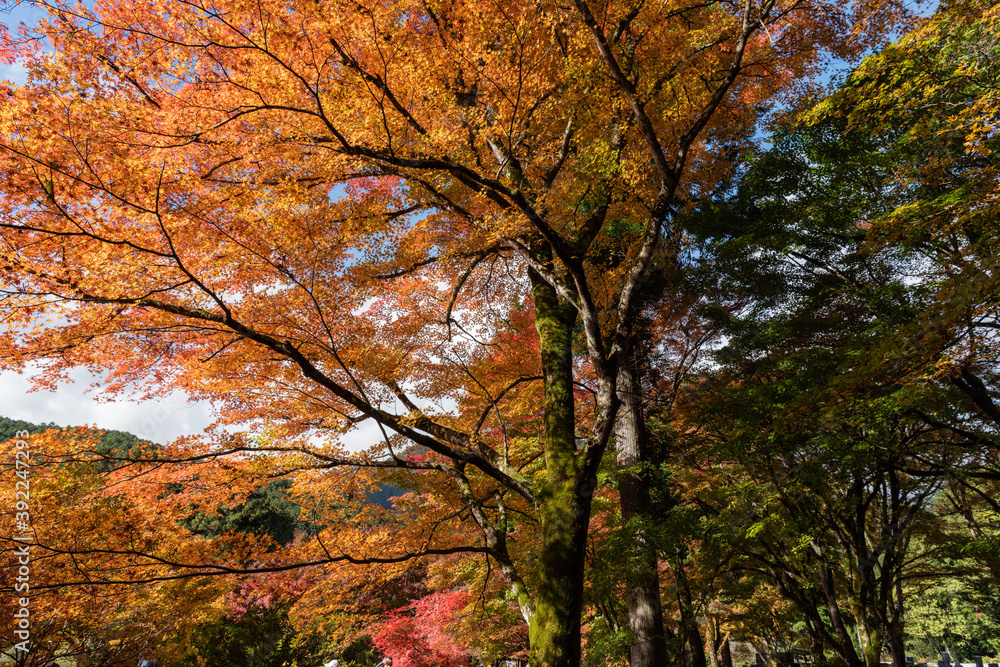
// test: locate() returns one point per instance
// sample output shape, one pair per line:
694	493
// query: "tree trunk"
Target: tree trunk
689	620
817	652
873	643
871	608
564	499
726	654
645	619
845	644
697	644
897	648
554	632
714	642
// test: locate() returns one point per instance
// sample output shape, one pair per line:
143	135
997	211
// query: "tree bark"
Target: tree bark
897	647
845	645
696	643
689	620
645	619
726	654
872	648
564	498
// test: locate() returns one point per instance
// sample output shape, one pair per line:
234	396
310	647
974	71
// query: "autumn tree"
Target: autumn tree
320	214
86	528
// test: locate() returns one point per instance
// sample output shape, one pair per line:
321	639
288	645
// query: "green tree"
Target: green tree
860	378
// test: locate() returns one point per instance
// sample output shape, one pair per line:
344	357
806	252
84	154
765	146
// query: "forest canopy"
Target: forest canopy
670	354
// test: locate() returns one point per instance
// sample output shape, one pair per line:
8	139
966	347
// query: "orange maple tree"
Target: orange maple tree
322	214
104	552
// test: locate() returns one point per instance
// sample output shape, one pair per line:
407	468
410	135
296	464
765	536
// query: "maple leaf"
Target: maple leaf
320	215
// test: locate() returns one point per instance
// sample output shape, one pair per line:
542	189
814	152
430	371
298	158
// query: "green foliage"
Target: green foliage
119	444
262	638
8	427
109	446
268	511
960	614
360	653
856	381
604	645
383	495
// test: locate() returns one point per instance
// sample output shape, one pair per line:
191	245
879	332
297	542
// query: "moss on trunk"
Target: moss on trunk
564	498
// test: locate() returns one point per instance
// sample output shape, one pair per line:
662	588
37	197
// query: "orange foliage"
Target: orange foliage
319	214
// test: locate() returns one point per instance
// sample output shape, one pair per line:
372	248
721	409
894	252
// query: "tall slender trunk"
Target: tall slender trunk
564	499
696	643
845	644
714	642
897	648
689	619
645	619
871	607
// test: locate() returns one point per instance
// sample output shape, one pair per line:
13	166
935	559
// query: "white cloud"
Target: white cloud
73	405
161	421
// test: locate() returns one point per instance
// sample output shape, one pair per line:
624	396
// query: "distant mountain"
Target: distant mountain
111	443
8	427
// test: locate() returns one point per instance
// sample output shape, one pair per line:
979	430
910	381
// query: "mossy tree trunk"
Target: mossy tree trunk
564	499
